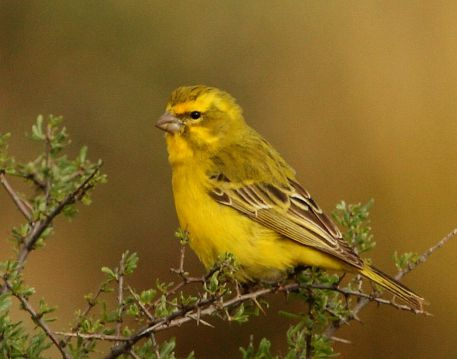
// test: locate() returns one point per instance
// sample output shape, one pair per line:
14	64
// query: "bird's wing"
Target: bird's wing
290	212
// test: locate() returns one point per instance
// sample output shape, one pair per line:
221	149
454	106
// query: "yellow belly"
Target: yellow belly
215	229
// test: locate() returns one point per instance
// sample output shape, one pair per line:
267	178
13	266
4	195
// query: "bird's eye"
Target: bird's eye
195	115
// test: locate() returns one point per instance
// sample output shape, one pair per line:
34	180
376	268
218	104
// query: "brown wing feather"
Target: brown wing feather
292	213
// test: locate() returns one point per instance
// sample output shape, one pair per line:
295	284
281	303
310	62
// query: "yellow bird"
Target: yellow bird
234	193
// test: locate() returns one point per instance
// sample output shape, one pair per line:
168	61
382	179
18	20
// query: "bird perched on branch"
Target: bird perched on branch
234	193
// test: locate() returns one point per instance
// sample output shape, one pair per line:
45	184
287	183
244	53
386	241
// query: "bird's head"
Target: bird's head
202	116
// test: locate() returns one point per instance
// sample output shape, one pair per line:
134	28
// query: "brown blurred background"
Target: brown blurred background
359	96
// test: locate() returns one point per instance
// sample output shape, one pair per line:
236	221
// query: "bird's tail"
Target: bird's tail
412	299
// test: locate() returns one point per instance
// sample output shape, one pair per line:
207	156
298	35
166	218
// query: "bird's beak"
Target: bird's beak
169	123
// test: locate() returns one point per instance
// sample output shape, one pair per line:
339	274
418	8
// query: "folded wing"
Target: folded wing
290	212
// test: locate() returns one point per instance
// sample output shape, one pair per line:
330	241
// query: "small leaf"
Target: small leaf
108	271
37	129
146	296
131	262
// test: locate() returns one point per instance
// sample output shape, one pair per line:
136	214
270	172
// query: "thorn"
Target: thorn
204	322
237	288
340	340
340	279
229	318
198	315
258	305
356	318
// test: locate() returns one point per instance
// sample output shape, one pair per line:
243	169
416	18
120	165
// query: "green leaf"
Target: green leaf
146	296
354	220
5	303
182	235
167	348
109	272
37	129
405	260
263	351
131	262
133	310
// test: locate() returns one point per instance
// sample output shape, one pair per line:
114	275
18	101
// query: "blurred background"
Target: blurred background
360	97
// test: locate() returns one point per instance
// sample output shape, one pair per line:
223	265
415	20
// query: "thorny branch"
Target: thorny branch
211	306
37	318
41	225
20	203
206	307
364	301
48	159
120	295
427	254
37	229
91	303
47	205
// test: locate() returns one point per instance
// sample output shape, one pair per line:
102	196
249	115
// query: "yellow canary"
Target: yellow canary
234	193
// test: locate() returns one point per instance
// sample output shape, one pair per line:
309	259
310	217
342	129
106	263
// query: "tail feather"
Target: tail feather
408	296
